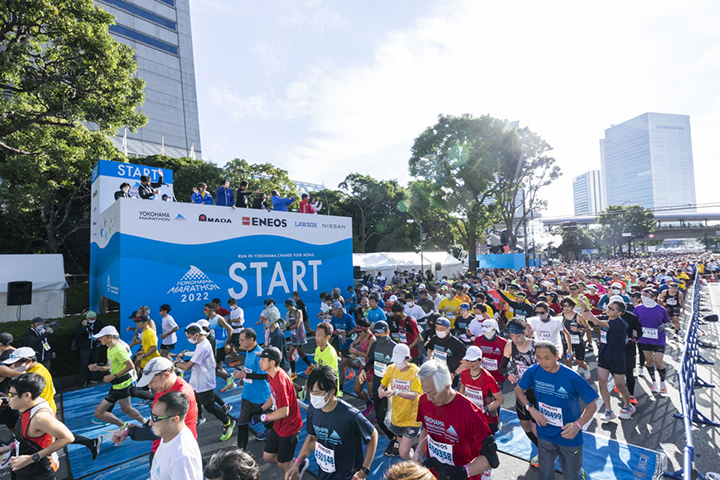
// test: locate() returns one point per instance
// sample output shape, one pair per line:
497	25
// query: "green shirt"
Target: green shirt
117	356
327	357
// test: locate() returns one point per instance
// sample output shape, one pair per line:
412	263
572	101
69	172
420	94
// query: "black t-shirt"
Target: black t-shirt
5	384
277	339
613	339
341	436
450	349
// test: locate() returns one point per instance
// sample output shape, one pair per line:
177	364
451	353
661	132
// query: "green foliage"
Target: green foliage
59	66
442	230
187	173
265	177
632	219
574	240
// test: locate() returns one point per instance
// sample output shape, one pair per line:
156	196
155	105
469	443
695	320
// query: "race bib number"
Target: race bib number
521	371
651	333
325	458
380	369
603	336
575	339
553	414
490	364
401	385
247	372
442	451
671	301
545	336
442	356
475	395
402	337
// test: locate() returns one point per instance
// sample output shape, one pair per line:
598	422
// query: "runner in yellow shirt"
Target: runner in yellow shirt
450	306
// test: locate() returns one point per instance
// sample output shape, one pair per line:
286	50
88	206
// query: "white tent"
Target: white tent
388	262
47	274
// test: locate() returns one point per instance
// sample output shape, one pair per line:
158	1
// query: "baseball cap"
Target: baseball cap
392	298
37	320
442	322
203	323
465	306
90	314
400	353
337	305
616	285
271	353
421	286
617	298
143	318
473	353
381	327
22	353
194	328
108	330
591	286
153	367
489	325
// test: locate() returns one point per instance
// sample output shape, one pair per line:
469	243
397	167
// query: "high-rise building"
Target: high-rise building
648	161
160	33
587	193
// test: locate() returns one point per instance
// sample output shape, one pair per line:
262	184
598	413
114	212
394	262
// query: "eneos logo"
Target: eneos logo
264	222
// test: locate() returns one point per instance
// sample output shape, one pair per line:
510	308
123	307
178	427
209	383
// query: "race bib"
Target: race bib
325	458
490	364
401	385
442	356
575	339
603	336
402	337
247	371
671	301
442	451
475	395
380	369
651	333
545	336
553	414
521	370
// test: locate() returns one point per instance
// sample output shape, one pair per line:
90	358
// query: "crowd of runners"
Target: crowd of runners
432	360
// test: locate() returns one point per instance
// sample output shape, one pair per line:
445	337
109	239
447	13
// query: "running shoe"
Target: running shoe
535	461
97	421
303	467
227	407
302	395
229	386
393	449
583	475
201	419
663	388
350	375
654	388
633	400
609	415
227	431
368	409
235	363
626	413
97	444
263	435
587	374
293	376
309	369
616	389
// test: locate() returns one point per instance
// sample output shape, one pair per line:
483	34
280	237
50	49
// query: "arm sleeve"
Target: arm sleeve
370	363
256	376
143	433
512	303
157	184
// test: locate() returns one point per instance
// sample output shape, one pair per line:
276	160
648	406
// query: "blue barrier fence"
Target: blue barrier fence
688	380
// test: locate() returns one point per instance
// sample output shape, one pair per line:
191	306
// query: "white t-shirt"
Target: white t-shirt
415	311
168	323
475	327
437	301
203	372
178	459
549	330
237	319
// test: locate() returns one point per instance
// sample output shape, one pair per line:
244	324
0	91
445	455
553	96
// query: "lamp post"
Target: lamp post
422	259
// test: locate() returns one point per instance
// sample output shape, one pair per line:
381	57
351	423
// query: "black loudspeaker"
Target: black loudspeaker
438	266
357	273
19	293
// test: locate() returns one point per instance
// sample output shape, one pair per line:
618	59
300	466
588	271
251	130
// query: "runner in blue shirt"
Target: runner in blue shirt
375	313
256	389
344	326
558	412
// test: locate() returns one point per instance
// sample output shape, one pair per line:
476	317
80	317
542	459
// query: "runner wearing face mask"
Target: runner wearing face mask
576	326
615	289
450	306
654	319
480	387
492	347
336	433
401	383
446	348
462	324
545	327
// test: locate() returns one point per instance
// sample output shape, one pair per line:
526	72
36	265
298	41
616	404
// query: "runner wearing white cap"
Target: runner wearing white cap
479	385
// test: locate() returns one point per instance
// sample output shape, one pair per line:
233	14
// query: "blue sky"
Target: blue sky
325	88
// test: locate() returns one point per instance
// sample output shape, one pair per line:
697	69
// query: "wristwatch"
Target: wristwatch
365	470
527	407
36	457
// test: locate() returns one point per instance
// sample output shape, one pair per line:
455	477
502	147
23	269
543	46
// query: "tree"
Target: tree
458	157
265	177
187	173
574	240
626	222
59	67
441	229
520	177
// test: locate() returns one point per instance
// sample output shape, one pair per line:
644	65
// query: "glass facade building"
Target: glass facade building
587	193
648	161
160	33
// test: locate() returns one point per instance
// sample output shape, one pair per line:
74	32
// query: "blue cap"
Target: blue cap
337	305
442	322
465	306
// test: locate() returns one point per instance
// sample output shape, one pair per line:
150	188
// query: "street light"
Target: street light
422	264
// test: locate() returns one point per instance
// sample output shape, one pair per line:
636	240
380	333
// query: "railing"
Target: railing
688	380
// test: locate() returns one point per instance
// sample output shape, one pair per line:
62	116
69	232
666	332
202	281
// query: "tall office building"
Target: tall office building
648	161
160	33
587	193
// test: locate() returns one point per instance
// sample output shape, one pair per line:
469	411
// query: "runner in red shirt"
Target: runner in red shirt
455	437
408	330
493	348
280	444
480	387
593	298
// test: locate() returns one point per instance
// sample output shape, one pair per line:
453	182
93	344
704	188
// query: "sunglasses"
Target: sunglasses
613	309
156	419
12	394
541	312
567	306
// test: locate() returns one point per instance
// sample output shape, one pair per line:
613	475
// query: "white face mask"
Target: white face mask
22	368
616	291
193	340
401	365
648	302
411	304
441	334
91	322
448	296
318	401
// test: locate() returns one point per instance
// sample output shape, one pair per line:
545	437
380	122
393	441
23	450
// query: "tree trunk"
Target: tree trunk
472	246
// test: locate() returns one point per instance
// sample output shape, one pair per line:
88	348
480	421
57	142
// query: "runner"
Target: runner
375	313
492	346
546	327
674	302
343	327
653	319
280	444
297	340
236	318
336	433
401	384
379	358
169	327
480	387
462	324
558	414
325	354
449	306
256	389
38	433
222	331
300	305
444	346
408	331
576	325
202	379
455	437
634	333
357	359
148	340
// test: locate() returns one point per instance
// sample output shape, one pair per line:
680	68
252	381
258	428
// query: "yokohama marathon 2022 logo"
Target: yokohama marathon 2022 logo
154	216
194	286
204	218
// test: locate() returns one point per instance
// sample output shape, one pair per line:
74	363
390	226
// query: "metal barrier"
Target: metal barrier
688	380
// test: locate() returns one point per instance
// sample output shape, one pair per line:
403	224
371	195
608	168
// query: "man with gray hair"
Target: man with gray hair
455	434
